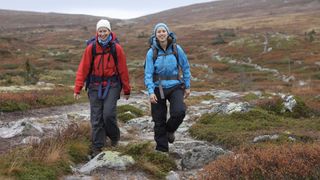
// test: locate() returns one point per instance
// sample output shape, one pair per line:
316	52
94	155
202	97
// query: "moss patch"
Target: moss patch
155	163
198	99
127	112
240	128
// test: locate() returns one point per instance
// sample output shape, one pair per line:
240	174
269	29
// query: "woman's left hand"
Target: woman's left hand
127	96
186	93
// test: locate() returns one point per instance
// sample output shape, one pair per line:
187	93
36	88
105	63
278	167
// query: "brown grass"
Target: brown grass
52	154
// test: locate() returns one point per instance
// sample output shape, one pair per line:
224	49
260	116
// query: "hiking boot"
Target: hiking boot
114	143
94	152
171	137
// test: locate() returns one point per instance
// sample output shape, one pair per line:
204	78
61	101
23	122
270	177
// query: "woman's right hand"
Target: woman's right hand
153	98
76	96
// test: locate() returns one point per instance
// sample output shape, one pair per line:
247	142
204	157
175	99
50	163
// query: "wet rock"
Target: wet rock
141	123
21	127
107	159
289	103
195	154
228	108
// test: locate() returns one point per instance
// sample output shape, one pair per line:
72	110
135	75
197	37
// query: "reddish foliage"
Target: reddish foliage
289	161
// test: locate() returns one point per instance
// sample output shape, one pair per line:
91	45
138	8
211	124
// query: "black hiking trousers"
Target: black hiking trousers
103	115
159	115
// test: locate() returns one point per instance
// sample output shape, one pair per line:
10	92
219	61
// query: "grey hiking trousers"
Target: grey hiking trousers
103	115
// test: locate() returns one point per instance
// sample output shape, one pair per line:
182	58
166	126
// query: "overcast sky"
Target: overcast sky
123	9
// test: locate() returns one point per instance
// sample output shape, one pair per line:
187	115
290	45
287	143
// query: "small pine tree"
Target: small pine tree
310	36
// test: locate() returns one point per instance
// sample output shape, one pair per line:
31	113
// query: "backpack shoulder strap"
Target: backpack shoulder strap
94	53
113	51
175	52
154	54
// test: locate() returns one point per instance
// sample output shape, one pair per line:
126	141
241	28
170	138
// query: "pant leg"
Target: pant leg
98	136
159	116
177	109
110	112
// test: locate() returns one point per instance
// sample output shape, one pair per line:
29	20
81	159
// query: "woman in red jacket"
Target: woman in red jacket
103	67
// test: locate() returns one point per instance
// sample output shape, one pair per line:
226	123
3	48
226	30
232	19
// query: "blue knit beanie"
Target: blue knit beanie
163	25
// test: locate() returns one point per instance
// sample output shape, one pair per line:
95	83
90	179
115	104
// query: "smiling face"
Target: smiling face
162	34
103	33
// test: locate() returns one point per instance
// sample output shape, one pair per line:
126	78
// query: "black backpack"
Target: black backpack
113	52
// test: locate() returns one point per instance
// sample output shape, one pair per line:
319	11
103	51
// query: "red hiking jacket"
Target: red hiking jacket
102	66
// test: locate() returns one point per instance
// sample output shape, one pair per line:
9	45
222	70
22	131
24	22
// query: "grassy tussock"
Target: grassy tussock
49	159
288	161
127	112
155	163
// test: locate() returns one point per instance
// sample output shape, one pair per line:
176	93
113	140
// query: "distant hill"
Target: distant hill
232	9
54	42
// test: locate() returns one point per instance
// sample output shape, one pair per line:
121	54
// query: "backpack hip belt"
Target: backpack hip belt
103	91
157	77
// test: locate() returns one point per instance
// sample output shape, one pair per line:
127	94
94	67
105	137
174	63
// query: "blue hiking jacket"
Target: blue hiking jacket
166	66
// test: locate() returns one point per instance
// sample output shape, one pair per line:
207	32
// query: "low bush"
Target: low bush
288	161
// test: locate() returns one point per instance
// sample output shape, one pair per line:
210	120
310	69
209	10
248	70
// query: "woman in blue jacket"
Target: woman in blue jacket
162	79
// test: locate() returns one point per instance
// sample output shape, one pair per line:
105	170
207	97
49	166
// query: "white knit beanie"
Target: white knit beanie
103	23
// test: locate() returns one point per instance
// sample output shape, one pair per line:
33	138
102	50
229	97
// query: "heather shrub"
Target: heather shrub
19	101
288	161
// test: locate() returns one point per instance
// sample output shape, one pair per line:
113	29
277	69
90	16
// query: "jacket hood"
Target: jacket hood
172	38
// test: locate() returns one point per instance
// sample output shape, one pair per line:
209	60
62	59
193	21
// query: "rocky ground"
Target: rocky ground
20	128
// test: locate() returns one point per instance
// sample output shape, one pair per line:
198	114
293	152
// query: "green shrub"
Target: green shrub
275	105
33	170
